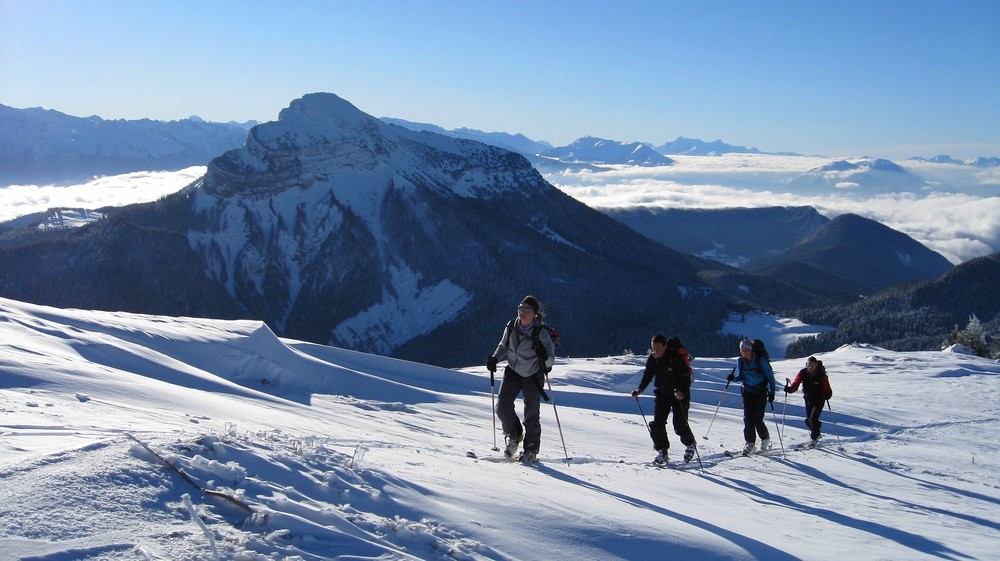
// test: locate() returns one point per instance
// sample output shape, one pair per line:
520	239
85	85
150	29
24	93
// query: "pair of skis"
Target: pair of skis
770	452
517	459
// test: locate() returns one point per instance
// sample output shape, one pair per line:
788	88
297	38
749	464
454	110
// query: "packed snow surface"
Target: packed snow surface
142	437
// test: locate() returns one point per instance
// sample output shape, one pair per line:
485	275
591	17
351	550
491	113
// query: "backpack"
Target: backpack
543	371
674	344
824	378
553	333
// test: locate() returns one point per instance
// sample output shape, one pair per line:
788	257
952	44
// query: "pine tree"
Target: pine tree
972	337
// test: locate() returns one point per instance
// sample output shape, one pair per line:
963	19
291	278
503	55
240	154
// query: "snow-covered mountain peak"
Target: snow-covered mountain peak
603	151
865	174
864	163
317	118
328	195
323	139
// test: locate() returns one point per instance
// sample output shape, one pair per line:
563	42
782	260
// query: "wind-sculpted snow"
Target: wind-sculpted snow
100	453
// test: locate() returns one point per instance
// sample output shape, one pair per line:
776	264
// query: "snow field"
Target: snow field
335	454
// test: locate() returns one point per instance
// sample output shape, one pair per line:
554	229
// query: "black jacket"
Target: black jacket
670	372
816	387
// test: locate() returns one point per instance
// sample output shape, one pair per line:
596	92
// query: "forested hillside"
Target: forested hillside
914	316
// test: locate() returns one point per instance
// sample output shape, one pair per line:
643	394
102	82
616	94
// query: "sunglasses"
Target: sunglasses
525	310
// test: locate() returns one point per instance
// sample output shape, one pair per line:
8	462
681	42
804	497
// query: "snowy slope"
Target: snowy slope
331	454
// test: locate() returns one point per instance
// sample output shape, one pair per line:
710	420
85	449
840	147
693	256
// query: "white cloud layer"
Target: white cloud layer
113	190
961	220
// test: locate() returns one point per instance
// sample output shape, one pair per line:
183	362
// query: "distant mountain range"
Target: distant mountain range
513	142
698	147
836	261
602	151
978	162
985	162
335	227
45	146
589	149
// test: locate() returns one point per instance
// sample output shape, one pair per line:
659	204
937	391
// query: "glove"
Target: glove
788	388
770	397
543	355
635	393
491	364
730	377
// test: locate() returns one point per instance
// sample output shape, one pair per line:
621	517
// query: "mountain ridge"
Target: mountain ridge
603	151
43	145
334	227
857	255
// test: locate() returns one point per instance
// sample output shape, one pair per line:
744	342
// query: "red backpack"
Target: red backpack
674	344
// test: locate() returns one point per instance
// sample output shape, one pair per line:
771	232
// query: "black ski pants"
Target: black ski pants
664	404
512	385
814	408
754	404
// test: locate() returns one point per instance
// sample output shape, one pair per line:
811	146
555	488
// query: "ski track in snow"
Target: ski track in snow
347	455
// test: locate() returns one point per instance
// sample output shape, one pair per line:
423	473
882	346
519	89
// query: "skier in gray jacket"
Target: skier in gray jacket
530	353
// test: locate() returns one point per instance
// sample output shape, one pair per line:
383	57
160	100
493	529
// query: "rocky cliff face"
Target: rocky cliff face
390	240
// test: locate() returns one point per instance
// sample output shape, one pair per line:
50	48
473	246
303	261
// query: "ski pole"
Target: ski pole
493	406
643	413
556	411
835	430
721	397
784	408
774	416
687	421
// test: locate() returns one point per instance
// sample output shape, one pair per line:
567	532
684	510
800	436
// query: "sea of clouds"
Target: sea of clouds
959	216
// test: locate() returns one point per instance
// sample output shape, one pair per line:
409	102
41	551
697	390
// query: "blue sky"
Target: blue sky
882	78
